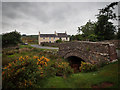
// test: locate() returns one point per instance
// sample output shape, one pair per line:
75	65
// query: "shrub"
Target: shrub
92	37
26	72
16	73
87	67
22	73
11	39
11	52
63	68
42	61
59	41
102	63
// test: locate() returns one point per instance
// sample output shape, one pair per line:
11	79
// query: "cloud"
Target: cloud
47	17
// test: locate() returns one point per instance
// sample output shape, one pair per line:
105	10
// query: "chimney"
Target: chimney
65	32
39	39
55	33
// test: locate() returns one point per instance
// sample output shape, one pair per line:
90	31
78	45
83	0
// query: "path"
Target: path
43	47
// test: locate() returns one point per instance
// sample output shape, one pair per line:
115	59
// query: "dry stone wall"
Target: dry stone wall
93	52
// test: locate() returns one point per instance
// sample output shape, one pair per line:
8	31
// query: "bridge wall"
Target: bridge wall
115	42
92	52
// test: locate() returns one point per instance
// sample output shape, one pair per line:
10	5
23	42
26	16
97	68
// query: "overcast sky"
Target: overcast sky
31	17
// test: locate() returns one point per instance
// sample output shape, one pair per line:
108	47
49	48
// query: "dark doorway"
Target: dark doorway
75	63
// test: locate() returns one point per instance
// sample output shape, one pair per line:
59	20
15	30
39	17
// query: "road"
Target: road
43	47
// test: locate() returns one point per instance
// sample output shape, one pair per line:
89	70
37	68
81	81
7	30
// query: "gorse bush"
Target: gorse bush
87	67
42	61
26	72
20	73
63	68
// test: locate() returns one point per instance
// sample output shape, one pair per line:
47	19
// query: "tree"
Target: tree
87	29
92	37
78	37
12	38
108	11
105	29
118	34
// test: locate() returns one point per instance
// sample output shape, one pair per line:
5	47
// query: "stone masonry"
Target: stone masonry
115	42
93	52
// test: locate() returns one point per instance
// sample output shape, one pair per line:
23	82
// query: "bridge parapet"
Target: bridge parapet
92	52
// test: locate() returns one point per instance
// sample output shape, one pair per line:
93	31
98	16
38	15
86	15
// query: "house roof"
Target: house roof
62	34
47	35
53	35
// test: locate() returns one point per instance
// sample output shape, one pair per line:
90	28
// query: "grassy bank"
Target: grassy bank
108	73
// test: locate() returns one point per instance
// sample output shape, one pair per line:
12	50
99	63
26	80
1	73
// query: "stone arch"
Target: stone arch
92	52
74	62
79	55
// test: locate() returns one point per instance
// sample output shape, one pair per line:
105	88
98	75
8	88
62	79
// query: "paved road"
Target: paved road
43	47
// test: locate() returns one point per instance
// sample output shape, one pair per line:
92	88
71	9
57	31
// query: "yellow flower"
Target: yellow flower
45	64
5	67
19	58
34	57
38	59
41	72
47	60
26	56
10	65
25	82
30	83
42	56
37	63
23	68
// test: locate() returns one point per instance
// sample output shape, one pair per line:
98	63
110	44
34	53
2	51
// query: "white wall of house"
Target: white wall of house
68	39
63	39
50	39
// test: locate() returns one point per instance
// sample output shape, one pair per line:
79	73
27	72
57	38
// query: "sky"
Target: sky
47	17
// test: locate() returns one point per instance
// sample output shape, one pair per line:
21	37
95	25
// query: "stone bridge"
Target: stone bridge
93	52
